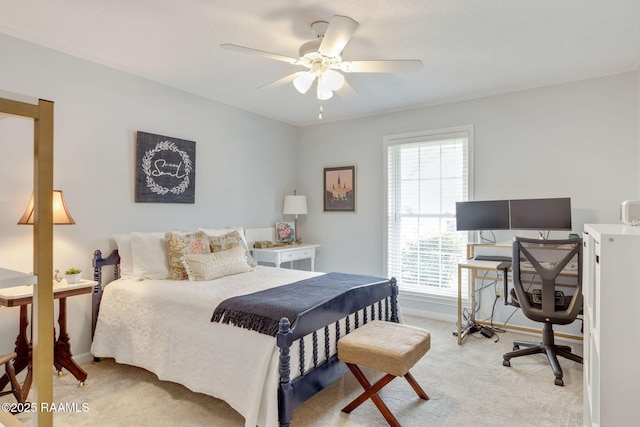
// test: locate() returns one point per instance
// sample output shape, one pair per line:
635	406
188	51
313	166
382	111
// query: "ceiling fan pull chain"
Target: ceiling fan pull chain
320	113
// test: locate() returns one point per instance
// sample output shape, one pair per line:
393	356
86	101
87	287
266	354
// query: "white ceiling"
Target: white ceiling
469	48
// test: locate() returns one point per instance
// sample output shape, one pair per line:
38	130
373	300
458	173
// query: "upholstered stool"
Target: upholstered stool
388	347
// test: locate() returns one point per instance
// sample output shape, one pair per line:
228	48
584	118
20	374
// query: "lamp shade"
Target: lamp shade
61	215
295	205
323	89
303	81
333	79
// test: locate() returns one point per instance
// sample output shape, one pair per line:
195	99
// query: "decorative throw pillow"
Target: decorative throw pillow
215	232
216	264
229	241
179	244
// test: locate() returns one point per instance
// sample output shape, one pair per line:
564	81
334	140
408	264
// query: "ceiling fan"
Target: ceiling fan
323	61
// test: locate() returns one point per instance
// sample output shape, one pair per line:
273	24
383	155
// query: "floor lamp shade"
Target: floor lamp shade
61	215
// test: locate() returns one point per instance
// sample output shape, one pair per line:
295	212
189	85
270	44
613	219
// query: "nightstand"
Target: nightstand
278	255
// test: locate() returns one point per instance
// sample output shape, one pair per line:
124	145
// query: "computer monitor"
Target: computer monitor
541	214
482	215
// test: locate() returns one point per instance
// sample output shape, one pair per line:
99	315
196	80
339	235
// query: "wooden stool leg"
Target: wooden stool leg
370	392
419	391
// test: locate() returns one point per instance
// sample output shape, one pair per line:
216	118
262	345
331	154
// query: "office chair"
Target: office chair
547	279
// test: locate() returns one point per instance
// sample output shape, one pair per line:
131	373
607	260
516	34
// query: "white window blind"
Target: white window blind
426	173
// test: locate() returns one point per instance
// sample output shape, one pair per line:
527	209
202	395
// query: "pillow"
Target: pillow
216	232
149	255
123	241
179	244
229	241
216	264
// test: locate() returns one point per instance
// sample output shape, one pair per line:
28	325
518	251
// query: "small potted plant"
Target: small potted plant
73	275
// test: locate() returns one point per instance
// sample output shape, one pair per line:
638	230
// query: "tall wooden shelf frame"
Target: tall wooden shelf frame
42	338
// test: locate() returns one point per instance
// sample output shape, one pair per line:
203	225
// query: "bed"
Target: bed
165	326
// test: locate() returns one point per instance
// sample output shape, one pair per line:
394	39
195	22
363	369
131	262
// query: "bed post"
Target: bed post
98	263
394	300
97	290
285	390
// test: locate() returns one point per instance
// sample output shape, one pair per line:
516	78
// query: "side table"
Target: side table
21	296
279	254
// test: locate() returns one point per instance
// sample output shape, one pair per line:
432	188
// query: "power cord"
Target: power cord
492	240
478	299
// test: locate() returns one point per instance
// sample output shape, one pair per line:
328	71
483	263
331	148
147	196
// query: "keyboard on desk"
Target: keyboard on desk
496	258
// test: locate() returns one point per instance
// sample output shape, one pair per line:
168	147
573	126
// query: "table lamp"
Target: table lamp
61	215
295	205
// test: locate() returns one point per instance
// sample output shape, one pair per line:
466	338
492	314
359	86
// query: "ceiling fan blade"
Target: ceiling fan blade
399	66
279	82
347	91
264	54
338	34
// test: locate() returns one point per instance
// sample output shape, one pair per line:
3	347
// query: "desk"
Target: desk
21	296
474	266
279	254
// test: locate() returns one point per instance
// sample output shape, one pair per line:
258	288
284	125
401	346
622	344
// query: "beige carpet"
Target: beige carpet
467	384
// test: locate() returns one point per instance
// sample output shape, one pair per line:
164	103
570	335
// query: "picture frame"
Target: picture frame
339	185
165	169
285	232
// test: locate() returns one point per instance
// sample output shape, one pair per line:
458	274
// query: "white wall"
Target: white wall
577	139
243	164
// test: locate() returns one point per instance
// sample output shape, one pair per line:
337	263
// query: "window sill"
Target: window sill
439	307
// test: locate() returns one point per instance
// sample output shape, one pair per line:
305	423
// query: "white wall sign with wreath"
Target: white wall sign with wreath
165	169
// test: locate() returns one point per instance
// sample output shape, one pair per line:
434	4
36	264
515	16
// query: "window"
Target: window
426	173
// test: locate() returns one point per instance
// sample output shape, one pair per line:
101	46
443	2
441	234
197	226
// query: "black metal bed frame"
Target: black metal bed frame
373	301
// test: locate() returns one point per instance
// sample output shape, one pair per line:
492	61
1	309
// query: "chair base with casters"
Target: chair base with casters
548	347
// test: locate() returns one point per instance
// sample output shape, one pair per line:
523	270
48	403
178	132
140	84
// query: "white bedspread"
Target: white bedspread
165	326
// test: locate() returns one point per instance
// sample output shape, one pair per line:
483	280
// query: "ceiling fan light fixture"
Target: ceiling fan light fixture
324	91
333	79
322	57
324	95
303	81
